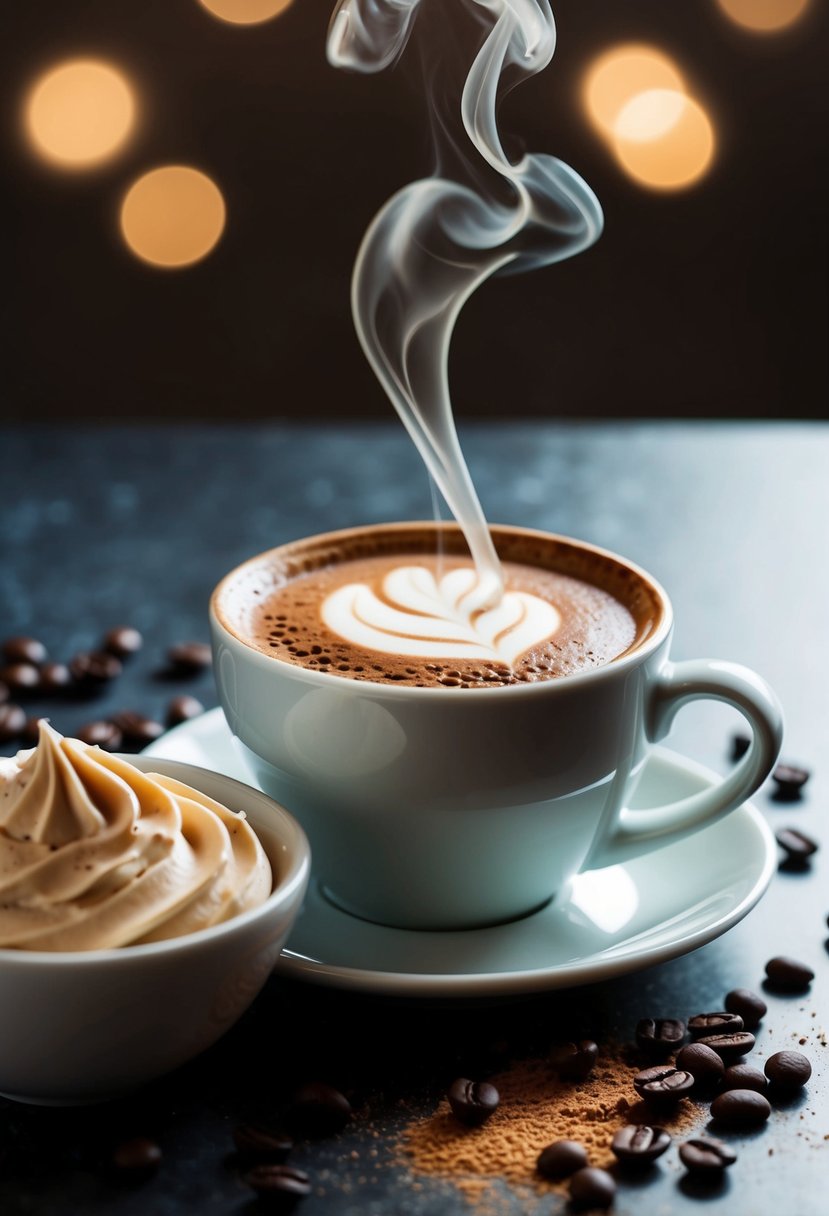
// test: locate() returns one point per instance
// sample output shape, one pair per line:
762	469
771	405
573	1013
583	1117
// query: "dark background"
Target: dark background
707	303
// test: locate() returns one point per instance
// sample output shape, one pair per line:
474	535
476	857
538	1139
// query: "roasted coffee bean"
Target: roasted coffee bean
90	670
639	1144
788	974
12	722
280	1185
729	1046
740	1108
472	1101
182	709
258	1144
24	650
743	1076
55	678
22	679
703	1155
137	729
702	1024
704	1065
663	1085
751	1007
4	693
123	641
318	1110
739	746
660	1036
592	1188
138	1156
789	780
797	846
186	658
787	1071
100	734
561	1159
574	1061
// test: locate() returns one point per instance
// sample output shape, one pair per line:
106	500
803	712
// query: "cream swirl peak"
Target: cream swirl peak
96	854
416	613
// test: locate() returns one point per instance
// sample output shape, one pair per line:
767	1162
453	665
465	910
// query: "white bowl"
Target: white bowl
82	1026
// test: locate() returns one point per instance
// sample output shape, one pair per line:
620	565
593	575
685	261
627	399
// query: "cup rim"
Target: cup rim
631	658
285	890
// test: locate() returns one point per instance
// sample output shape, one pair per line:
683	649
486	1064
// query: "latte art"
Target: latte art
419	615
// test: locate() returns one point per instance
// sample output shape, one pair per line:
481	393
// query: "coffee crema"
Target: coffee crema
382	605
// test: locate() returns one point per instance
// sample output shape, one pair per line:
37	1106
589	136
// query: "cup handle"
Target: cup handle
632	833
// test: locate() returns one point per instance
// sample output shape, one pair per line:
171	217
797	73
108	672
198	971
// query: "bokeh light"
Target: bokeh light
172	216
79	113
764	16
245	12
664	139
619	74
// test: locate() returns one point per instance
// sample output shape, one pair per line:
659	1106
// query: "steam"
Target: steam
435	241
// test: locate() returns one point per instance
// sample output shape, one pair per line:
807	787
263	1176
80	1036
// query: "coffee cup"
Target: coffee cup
448	807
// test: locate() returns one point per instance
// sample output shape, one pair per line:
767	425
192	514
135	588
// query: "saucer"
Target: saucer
607	922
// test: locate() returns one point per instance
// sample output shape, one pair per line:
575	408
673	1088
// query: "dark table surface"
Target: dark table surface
100	527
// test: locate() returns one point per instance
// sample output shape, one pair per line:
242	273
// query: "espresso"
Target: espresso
388	605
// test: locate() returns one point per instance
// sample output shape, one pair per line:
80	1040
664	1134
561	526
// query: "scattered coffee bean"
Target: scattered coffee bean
705	1156
561	1159
639	1144
704	1065
137	729
123	641
318	1110
100	734
788	974
472	1101
797	846
740	1108
751	1007
280	1185
258	1144
729	1046
663	1085
138	1156
187	658
22	679
660	1036
739	746
4	693
743	1076
24	650
702	1024
55	678
592	1188
93	669
30	734
12	722
789	780
574	1061
788	1071
182	709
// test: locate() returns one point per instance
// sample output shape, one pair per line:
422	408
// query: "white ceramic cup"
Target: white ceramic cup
450	808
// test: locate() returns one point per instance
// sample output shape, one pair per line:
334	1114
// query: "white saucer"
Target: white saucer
611	921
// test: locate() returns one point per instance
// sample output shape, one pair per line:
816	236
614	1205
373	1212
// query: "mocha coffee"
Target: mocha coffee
392	605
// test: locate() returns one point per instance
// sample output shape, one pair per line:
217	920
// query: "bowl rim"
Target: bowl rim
284	893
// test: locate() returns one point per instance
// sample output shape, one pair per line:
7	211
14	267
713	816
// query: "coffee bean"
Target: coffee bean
100	734
12	722
592	1188
739	746
788	974
740	1108
137	729
55	678
704	1155
561	1159
187	658
123	641
660	1036
574	1061
789	780
729	1046
92	669
797	846
24	650
751	1007
4	693
280	1185
318	1110
639	1144
663	1085
702	1024
743	1076
138	1156
258	1144
788	1071
472	1101
182	709
704	1065
22	679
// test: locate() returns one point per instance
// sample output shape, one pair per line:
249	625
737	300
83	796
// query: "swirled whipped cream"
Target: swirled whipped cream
95	853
